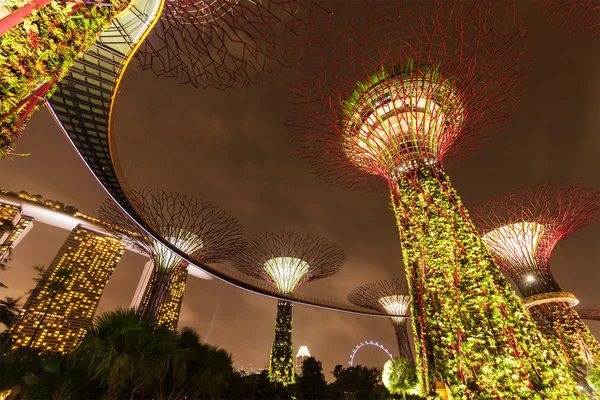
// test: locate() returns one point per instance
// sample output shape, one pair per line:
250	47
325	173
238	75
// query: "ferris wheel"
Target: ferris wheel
368	343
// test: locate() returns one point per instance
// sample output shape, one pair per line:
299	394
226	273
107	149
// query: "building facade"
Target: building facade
63	304
13	227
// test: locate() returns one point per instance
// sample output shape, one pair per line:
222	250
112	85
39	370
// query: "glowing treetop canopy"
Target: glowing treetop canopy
517	243
288	259
521	228
185	241
395	305
205	232
230	43
389	296
408	83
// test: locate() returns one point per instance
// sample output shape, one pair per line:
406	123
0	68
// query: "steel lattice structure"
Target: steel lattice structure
196	227
577	16
521	229
230	43
287	260
396	94
389	297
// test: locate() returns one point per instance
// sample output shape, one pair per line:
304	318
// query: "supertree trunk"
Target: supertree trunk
281	368
561	325
470	331
155	296
403	343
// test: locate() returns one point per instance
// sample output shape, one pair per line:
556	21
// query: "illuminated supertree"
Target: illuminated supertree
403	88
578	16
287	260
39	41
205	232
521	229
229	43
389	297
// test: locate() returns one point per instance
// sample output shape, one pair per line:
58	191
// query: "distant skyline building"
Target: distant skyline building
60	308
302	355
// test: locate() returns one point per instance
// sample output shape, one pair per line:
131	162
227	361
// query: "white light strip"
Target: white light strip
516	243
286	272
395	305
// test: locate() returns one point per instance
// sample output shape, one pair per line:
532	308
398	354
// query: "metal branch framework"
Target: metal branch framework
389	297
398	92
287	260
577	16
410	82
196	227
520	229
230	43
186	222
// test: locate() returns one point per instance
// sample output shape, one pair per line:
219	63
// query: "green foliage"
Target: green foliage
349	105
593	379
472	333
257	387
122	356
9	309
35	375
126	353
281	368
41	50
400	376
312	383
357	382
563	328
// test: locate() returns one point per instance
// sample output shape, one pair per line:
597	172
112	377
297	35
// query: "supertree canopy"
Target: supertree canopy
230	43
521	229
39	41
287	260
389	297
196	227
403	88
578	16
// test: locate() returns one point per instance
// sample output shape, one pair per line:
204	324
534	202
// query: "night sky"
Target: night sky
231	149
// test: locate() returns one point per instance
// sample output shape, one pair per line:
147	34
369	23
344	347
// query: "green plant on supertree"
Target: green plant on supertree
38	52
202	230
399	376
287	260
388	297
521	228
434	78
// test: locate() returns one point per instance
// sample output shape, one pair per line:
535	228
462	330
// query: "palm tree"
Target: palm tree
127	353
206	372
53	288
9	308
